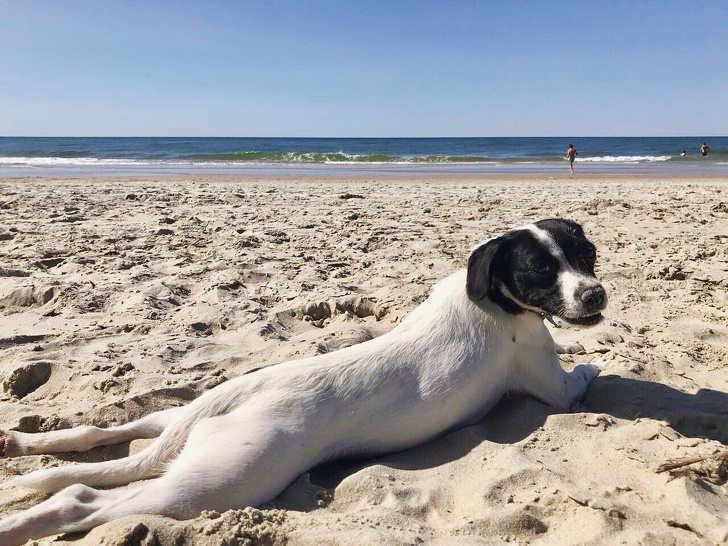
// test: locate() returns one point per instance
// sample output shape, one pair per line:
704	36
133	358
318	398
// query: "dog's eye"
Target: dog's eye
542	268
589	253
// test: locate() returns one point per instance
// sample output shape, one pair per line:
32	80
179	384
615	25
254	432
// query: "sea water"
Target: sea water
42	156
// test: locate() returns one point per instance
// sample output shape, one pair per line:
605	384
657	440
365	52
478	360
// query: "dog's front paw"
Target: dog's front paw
599	365
569	348
581	376
587	372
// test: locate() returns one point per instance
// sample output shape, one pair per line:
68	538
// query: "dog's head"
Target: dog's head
546	267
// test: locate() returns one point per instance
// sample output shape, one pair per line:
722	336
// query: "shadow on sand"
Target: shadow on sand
700	415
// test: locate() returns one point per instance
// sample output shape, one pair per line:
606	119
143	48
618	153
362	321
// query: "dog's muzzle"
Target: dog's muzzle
592	301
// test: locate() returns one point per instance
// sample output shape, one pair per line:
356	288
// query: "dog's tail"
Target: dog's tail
148	463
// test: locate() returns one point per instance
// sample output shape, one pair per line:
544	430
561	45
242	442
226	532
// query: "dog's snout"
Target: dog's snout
594	297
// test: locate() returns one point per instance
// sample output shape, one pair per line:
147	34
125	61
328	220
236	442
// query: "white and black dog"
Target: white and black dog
478	335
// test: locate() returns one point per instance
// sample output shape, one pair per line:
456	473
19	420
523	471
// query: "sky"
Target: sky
363	68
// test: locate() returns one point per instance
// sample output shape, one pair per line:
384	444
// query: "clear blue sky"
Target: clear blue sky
369	68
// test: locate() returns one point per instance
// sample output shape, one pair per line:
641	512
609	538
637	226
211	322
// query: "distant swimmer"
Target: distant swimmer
704	149
683	153
571	154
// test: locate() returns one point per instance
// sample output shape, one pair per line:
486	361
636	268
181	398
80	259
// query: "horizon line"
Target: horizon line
365	137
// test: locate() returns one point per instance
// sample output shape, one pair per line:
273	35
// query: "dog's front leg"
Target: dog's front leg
550	383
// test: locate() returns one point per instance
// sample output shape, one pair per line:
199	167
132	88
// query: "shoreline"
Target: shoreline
691	167
123	295
371	177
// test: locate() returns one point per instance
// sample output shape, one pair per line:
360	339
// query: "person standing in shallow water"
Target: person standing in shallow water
571	154
704	149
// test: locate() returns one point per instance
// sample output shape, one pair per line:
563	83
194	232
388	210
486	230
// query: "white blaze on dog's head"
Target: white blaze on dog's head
546	267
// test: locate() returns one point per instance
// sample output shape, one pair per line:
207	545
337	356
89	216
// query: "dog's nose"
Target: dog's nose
594	297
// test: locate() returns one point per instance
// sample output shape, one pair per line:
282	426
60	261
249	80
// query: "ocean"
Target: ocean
58	156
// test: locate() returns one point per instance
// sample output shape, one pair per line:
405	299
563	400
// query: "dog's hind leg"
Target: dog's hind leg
148	463
80	507
63	512
83	438
240	459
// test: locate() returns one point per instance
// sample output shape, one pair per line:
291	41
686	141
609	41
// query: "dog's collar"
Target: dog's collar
511	304
513	301
549	317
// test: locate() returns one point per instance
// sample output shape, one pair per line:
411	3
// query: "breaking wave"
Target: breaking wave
339	158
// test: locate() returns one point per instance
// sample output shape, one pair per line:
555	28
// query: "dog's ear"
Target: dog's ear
480	268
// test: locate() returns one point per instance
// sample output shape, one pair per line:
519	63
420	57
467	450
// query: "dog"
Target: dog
478	335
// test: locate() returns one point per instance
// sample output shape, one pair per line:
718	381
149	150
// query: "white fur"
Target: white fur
444	367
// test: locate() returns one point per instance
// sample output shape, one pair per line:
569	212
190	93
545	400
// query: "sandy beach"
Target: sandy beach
120	297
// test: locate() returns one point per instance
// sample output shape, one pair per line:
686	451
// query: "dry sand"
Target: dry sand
121	297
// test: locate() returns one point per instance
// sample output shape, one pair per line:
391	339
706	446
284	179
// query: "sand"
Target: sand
119	297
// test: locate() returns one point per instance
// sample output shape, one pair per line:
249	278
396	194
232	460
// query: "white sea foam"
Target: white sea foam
625	159
339	158
65	161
